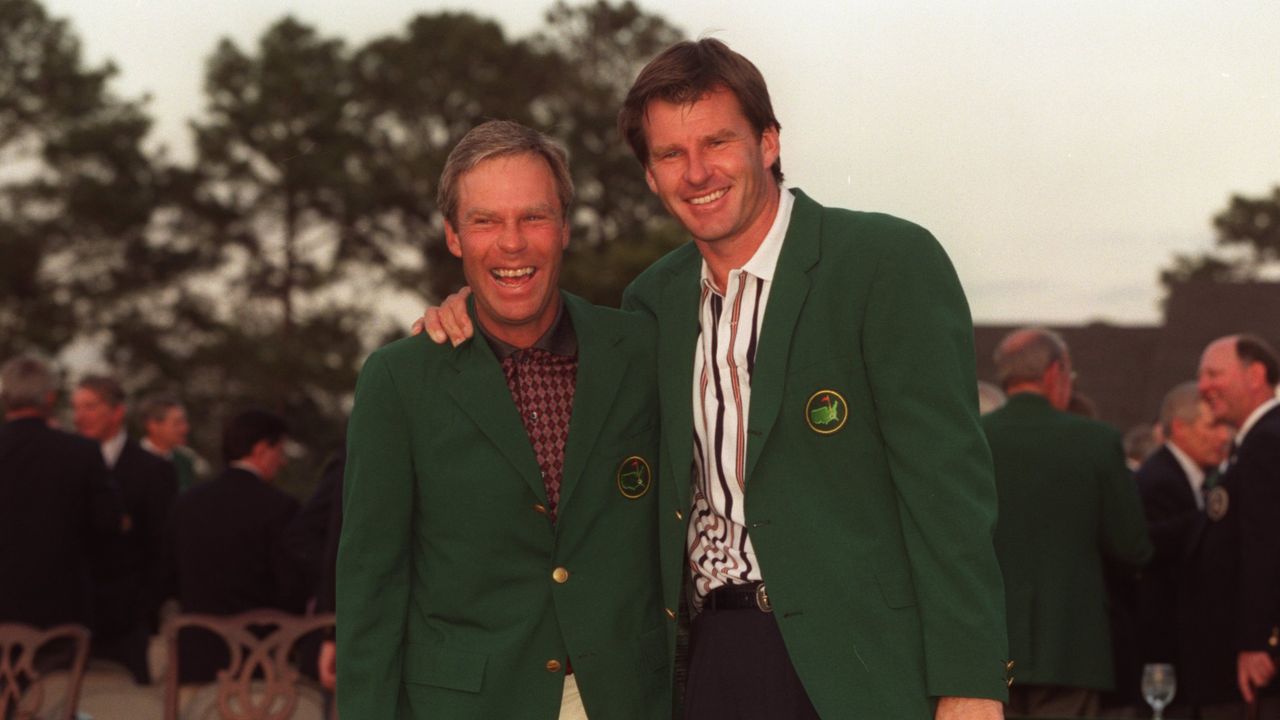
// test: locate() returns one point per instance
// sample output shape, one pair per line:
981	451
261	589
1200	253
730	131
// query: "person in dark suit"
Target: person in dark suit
1233	612
1067	502
126	569
55	504
1173	482
226	548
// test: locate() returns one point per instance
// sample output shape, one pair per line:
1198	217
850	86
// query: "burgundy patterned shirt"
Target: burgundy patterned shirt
541	379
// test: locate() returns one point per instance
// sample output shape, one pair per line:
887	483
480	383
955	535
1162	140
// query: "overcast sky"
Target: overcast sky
1061	151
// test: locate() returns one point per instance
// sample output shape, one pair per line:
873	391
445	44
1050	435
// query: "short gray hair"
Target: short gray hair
1025	355
1180	403
495	139
26	382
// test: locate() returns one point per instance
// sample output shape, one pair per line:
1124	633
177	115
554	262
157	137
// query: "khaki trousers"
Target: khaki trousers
571	702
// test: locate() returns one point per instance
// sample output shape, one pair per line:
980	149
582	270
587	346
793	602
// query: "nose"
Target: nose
696	171
512	239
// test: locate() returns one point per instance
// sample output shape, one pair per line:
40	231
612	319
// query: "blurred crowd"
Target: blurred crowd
1125	554
115	531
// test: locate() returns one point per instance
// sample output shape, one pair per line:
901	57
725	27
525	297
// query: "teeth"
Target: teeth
709	198
512	272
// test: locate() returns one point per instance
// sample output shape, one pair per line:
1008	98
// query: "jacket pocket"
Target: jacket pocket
442	667
653	649
896	588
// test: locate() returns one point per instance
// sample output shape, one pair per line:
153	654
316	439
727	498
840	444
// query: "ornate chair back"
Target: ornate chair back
261	682
26	674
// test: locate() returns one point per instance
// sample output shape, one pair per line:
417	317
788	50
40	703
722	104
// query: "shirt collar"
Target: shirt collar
247	467
112	448
559	339
1253	419
764	262
151	448
1195	473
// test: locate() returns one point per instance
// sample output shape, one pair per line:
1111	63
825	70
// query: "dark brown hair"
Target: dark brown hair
684	73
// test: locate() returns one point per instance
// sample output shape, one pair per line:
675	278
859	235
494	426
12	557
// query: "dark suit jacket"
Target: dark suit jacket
1169	504
1231	588
1067	501
228	556
450	604
55	504
127	570
875	539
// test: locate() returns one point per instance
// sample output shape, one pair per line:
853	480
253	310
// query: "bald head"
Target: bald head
1035	360
1237	374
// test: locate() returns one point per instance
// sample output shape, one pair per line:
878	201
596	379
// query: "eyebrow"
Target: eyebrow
540	207
721	134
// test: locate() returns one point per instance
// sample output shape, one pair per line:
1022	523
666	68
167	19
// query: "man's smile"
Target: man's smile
512	277
709	197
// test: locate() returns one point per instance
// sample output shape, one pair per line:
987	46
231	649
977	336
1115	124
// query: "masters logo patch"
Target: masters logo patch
634	477
826	412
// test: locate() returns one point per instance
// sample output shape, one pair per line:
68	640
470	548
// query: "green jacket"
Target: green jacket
450	600
1066	501
874	539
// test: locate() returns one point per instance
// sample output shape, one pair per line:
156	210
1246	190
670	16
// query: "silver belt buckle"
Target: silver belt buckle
762	599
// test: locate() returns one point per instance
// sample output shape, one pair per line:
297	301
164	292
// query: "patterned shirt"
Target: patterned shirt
541	379
729	325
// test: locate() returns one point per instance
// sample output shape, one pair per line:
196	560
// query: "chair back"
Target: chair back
26	674
260	682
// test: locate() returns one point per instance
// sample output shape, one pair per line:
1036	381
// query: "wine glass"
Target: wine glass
1158	686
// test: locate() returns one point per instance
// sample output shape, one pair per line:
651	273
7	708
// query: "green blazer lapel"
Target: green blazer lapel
677	342
787	294
600	372
480	389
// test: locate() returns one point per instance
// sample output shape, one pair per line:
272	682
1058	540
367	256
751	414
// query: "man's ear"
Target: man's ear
451	239
770	146
649	180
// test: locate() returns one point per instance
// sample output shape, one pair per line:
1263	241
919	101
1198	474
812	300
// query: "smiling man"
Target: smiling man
499	517
1234	558
816	372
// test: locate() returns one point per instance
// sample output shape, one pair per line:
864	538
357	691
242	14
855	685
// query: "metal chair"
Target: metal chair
261	682
26	676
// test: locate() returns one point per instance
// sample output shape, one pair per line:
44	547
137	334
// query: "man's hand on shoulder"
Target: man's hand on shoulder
448	322
963	708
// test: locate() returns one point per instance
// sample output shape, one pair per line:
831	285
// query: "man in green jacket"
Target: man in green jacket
1067	500
499	514
816	371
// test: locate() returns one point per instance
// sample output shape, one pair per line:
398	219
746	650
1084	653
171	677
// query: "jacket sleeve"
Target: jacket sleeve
373	573
1257	494
1124	529
918	348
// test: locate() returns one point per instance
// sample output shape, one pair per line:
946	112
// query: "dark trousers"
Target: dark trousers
739	670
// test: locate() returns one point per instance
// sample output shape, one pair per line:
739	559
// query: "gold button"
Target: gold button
540	508
560	575
679	515
553	666
671	613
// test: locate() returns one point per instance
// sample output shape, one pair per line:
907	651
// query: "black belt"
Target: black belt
748	596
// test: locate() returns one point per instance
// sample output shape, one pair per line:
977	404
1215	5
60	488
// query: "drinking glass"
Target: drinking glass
1158	687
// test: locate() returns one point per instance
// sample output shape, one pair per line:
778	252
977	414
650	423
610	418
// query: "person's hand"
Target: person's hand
447	322
327	666
1254	669
964	708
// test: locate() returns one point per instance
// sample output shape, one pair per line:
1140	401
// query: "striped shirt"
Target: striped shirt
729	325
